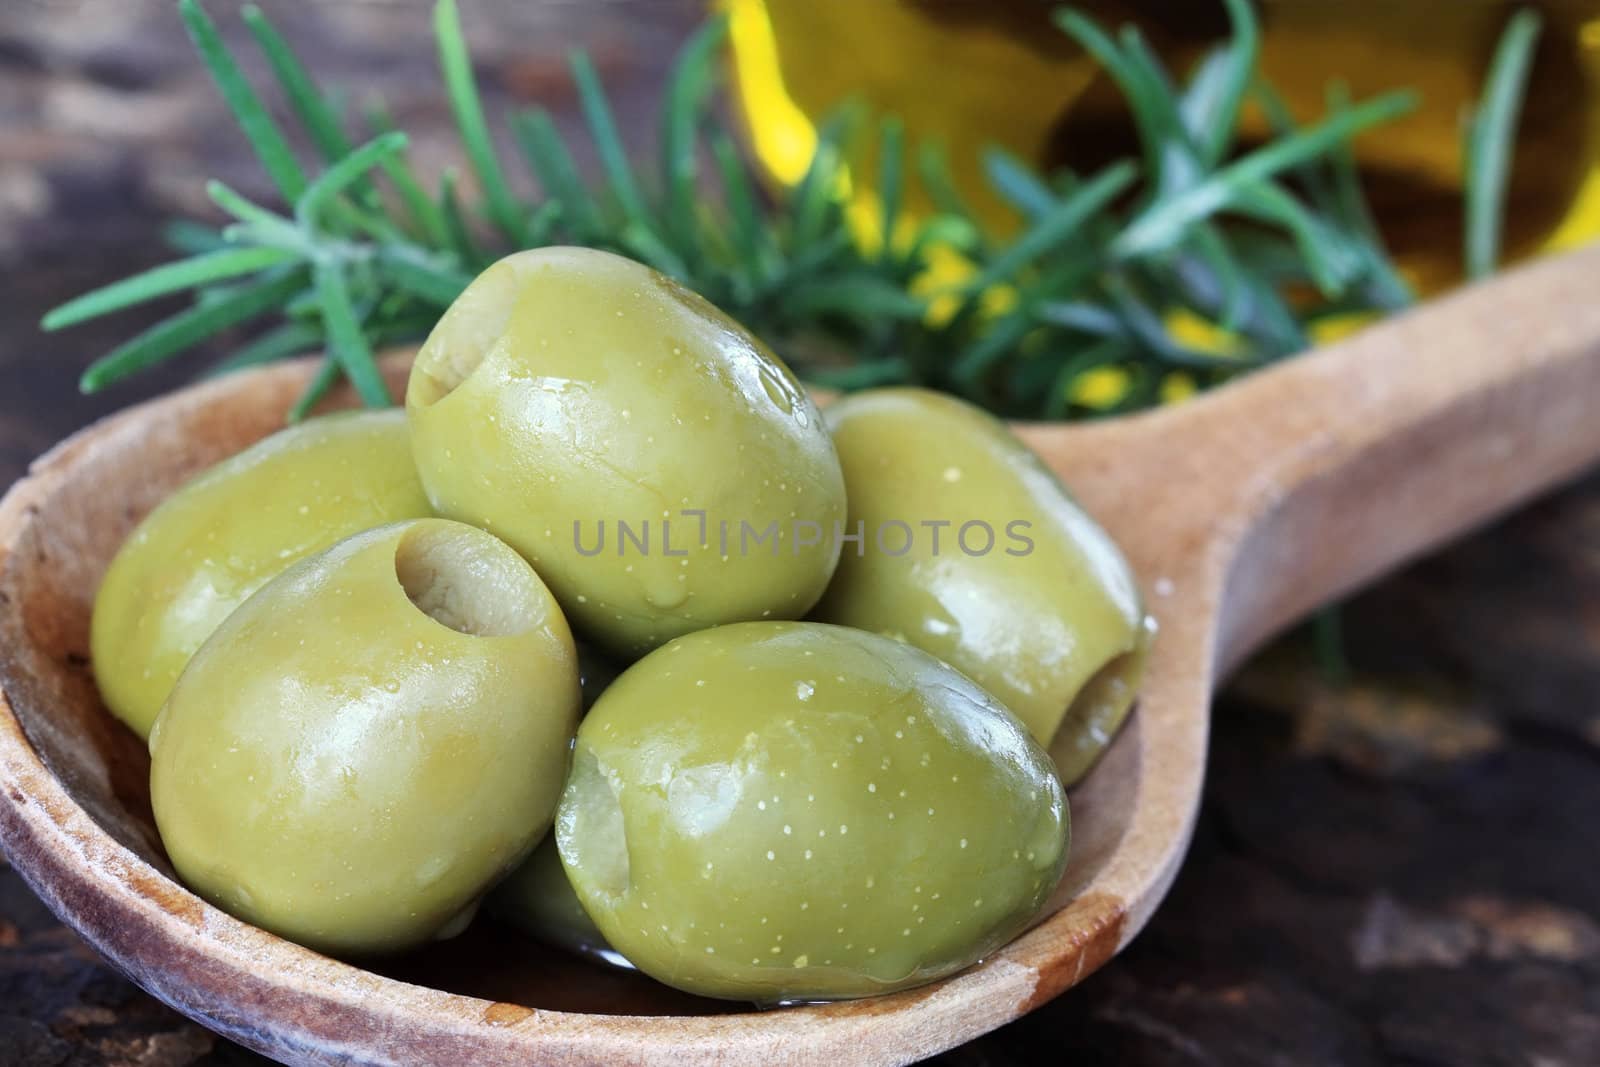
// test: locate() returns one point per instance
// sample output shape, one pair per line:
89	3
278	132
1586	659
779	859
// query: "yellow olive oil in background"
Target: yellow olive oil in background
974	73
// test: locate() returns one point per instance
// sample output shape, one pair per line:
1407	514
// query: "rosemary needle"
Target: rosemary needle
1489	134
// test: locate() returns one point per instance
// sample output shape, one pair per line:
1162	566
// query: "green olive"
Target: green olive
975	552
539	900
370	741
777	811
660	467
218	539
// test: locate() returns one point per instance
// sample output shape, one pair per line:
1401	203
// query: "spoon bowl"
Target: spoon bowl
1240	511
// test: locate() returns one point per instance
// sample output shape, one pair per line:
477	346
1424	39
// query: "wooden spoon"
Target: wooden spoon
1241	511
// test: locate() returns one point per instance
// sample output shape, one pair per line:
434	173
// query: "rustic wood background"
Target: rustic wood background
1404	869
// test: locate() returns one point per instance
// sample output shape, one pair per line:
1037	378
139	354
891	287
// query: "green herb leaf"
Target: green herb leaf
1018	183
681	108
344	173
552	164
543	222
253	118
455	222
462	91
640	241
816	193
346	341
1491	134
892	371
264	226
1211	105
327	375
192	238
188	328
1164	222
308	103
1057	224
423	211
281	342
1150	98
863	296
603	128
161	281
891	178
751	240
934	170
437	285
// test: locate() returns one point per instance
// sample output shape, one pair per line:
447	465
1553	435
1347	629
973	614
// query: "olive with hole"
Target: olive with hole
371	741
662	469
777	811
222	536
975	552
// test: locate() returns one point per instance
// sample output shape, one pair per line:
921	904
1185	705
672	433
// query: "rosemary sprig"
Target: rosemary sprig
1075	315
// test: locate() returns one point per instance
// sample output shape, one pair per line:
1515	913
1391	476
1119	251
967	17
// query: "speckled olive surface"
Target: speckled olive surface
571	399
371	740
976	553
796	811
226	533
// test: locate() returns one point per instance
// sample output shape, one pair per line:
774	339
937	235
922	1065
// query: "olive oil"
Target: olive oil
972	74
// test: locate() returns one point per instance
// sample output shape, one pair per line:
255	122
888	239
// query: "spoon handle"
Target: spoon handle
1351	460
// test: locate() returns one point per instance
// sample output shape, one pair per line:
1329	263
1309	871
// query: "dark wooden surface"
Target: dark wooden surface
1404	869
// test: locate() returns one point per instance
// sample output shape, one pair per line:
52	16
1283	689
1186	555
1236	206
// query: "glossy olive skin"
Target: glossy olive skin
1048	618
222	536
567	388
780	811
371	741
